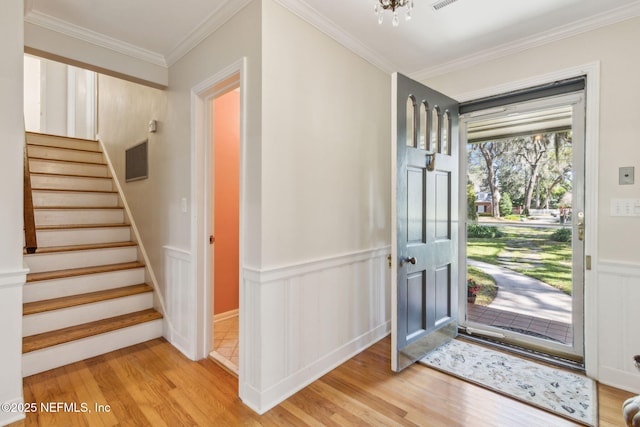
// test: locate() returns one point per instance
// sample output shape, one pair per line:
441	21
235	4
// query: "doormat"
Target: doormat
561	392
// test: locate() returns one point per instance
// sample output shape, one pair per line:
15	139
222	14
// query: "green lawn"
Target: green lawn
488	288
552	262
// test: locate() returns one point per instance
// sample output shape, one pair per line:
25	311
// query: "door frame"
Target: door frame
575	350
202	206
592	131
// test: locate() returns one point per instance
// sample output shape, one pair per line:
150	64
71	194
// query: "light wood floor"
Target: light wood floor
153	384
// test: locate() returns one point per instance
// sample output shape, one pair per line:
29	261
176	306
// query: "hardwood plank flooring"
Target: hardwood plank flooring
153	384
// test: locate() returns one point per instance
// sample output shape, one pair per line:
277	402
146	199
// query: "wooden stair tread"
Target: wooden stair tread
50	135
55	147
76	226
73	272
71	248
80	162
71	190
85	330
75	207
80	299
71	175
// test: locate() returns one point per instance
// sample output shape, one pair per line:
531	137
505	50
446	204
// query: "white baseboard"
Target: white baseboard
299	380
8	417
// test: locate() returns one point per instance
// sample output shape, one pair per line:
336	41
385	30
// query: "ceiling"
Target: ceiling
432	42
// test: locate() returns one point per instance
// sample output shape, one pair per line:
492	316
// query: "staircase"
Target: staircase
86	293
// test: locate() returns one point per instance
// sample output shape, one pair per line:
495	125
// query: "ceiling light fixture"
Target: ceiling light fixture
382	5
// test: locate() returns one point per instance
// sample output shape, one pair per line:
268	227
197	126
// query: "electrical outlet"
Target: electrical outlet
626	175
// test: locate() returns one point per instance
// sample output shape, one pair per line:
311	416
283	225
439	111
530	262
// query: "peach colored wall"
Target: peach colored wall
226	160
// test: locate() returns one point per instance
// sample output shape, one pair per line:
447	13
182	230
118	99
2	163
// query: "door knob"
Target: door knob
411	260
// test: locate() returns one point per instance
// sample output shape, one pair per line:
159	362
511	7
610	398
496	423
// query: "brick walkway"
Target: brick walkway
529	325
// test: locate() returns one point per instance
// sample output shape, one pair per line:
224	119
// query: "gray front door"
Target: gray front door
425	231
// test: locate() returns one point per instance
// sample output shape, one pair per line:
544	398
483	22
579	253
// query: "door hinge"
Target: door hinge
212	240
587	262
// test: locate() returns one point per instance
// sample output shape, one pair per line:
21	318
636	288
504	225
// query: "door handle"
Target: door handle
580	225
410	260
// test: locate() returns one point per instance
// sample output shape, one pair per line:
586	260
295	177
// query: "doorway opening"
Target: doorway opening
231	79
524	238
224	111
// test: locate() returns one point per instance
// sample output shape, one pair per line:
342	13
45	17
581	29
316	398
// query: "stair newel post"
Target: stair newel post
31	243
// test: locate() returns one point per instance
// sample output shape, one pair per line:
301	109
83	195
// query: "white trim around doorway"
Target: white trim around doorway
201	94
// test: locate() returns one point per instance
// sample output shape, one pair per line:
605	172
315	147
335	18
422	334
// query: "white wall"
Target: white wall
326	130
57	46
54	98
614	46
32	76
12	275
321	294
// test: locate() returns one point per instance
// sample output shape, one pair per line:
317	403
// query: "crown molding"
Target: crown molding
301	9
578	27
54	24
208	26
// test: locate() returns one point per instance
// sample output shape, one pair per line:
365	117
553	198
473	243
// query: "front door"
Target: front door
425	209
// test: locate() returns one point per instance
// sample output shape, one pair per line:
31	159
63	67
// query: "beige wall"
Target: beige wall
614	46
12	275
124	112
326	148
238	38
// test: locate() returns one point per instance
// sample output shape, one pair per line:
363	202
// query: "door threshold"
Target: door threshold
524	352
225	363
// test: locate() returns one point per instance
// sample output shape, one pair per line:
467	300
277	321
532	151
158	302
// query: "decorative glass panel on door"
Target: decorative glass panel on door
424	126
435	130
446	134
411	121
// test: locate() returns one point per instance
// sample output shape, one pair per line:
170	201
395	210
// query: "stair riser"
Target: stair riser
53	198
63	318
38	263
64	168
60	355
78	216
82	236
64	154
57	288
62	142
71	183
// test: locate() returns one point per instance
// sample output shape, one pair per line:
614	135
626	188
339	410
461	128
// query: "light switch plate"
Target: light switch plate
626	175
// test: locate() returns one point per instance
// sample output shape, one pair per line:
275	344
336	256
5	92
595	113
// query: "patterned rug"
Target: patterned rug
558	391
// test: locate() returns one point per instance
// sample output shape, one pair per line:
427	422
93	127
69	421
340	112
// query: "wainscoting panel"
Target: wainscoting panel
180	327
619	324
309	318
11	288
